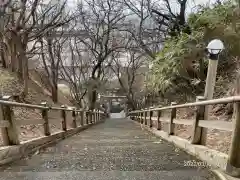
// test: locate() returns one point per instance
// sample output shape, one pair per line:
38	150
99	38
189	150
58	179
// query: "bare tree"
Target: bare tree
129	74
76	72
100	20
153	21
52	56
142	29
29	20
170	19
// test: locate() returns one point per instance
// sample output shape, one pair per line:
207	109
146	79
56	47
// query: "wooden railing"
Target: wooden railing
199	124
8	124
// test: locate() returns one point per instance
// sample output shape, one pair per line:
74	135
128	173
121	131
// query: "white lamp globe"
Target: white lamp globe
215	46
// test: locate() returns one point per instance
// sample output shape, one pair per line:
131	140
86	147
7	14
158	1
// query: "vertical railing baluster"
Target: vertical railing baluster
145	117
45	119
82	118
150	119
4	129
63	115
8	115
87	117
173	116
74	122
158	120
196	133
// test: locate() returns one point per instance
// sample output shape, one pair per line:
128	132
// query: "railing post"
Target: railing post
97	114
145	118
94	116
233	165
87	112
150	119
82	118
4	129
63	114
141	117
90	117
45	119
196	133
173	116
134	116
11	131
158	120
74	123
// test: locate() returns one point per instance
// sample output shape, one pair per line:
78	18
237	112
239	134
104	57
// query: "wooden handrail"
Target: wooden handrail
34	106
8	125
16	104
231	99
201	123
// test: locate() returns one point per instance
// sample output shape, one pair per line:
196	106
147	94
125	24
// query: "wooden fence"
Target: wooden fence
199	124
8	124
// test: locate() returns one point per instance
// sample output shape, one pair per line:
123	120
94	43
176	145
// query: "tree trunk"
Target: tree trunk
14	62
3	60
23	66
55	93
93	99
25	74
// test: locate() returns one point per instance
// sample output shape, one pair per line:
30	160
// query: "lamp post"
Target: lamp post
214	48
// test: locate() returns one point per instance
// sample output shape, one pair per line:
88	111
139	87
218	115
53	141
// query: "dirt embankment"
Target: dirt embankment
216	139
10	85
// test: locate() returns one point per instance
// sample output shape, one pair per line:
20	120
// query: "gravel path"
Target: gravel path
116	149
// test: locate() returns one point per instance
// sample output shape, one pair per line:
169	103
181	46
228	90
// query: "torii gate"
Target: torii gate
109	101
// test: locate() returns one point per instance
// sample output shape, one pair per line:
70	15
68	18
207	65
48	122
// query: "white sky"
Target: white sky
191	3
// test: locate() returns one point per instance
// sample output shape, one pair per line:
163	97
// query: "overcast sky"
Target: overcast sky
191	3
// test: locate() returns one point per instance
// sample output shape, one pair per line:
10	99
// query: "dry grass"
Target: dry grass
10	85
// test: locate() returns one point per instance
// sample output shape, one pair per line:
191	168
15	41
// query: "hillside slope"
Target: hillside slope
180	69
11	86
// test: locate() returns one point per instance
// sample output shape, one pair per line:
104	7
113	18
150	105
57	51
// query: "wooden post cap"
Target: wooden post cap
6	97
173	103
44	103
200	98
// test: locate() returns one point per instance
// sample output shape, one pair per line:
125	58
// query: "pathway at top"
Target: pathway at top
116	149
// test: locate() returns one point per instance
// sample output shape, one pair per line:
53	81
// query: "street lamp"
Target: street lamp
214	48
